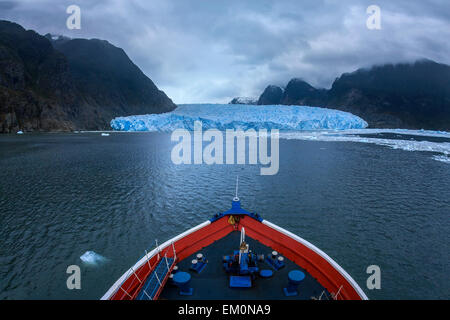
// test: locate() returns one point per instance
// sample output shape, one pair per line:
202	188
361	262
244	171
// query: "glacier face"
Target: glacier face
237	116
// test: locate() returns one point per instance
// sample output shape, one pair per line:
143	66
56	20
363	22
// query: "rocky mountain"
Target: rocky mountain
413	95
404	95
243	100
271	95
61	84
299	91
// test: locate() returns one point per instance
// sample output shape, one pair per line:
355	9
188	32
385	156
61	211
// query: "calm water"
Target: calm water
64	194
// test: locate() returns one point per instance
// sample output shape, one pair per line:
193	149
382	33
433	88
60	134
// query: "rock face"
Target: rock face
271	95
404	95
412	96
62	85
243	100
298	92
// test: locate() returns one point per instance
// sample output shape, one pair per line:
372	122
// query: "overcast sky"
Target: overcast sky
214	50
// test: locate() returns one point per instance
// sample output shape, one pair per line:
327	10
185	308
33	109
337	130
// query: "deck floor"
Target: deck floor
212	282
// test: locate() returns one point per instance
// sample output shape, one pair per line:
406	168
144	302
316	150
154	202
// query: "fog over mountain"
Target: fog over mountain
213	51
409	95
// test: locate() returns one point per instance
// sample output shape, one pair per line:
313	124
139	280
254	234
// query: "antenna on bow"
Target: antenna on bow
236	198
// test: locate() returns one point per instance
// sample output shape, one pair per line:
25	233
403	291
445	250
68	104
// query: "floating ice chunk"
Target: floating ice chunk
410	132
20	132
408	145
92	258
237	116
442	158
105	134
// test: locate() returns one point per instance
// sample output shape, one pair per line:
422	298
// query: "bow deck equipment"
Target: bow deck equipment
236	255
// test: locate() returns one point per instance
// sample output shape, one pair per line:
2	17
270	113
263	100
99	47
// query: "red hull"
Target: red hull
327	272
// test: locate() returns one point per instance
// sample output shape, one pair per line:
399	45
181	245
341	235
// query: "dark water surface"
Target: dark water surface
64	194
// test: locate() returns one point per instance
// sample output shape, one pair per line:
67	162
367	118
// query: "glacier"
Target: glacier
238	116
294	122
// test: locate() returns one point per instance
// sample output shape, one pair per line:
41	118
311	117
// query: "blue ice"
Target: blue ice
226	116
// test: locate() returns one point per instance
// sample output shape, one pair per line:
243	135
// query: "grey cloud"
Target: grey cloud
211	51
7	5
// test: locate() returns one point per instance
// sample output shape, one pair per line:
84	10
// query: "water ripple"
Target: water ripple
62	195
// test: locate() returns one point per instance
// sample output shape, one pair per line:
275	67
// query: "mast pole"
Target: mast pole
236	198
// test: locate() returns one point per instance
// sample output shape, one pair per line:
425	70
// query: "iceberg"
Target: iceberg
92	258
441	148
238	116
442	158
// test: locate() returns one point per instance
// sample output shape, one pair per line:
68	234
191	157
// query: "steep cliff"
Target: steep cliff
48	85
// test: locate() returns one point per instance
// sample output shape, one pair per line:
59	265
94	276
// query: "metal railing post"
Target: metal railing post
136	276
174	252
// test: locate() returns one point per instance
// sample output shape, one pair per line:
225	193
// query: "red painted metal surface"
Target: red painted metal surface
311	261
184	247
